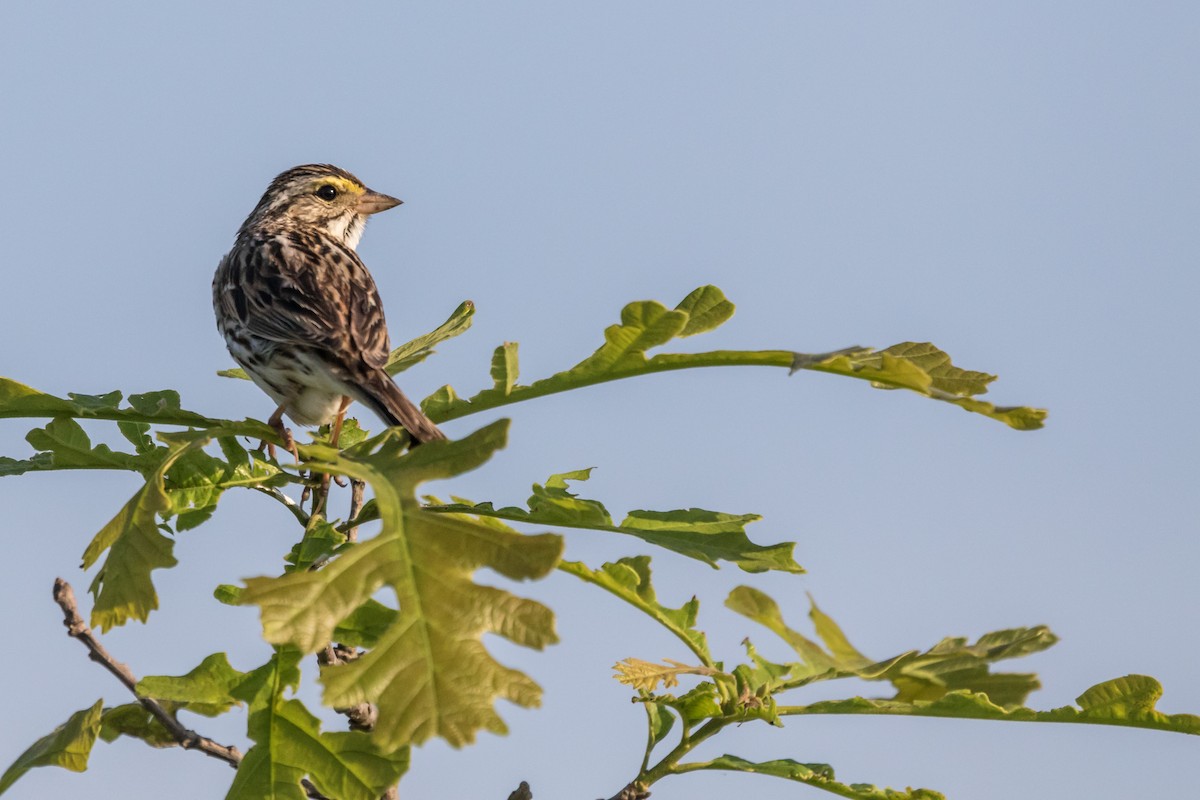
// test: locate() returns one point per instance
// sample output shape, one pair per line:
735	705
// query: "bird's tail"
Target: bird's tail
384	397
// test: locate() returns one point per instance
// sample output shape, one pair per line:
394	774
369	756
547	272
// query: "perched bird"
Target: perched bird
299	310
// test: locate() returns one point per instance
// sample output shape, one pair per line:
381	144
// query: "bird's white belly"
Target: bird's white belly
300	383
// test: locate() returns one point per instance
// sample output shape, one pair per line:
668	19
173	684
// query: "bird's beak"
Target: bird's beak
374	202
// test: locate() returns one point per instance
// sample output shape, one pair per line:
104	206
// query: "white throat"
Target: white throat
349	229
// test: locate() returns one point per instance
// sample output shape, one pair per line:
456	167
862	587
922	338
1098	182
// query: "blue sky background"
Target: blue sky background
1015	182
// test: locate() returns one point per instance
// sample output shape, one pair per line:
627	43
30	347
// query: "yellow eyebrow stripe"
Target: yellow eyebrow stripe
341	184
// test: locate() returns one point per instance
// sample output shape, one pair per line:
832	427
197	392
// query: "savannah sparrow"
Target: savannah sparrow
299	310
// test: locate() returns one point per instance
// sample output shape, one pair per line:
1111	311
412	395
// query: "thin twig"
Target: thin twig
64	595
362	716
357	488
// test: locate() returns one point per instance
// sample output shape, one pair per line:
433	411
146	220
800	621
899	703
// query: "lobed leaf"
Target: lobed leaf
67	746
759	607
289	745
831	634
36	463
504	367
1128	701
819	776
950	665
659	722
763	675
409	353
645	676
644	325
629	579
706	309
920	367
136	722
416	351
135	545
708	536
365	625
196	481
428	672
68	447
19	400
953	664
206	690
320	541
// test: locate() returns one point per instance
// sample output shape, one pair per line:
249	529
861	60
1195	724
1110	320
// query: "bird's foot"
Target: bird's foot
289	441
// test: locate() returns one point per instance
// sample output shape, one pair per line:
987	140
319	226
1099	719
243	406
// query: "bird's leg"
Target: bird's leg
289	443
338	420
336	434
266	447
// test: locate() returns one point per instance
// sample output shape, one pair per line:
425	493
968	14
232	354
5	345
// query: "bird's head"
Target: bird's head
320	196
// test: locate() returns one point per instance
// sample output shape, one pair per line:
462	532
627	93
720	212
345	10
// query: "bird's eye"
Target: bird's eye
326	192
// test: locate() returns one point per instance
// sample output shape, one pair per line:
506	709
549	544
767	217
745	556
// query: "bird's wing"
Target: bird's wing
306	289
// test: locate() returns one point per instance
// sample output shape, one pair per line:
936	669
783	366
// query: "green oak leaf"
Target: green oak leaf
644	325
701	702
950	665
365	625
819	776
659	722
136	546
38	462
920	367
629	579
428	672
70	448
67	746
196	481
321	540
420	348
289	745
758	606
206	690
1128	702
504	367
410	353
135	721
923	368
19	400
708	536
707	308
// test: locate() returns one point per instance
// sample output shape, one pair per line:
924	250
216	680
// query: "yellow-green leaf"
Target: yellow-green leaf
920	367
819	776
428	672
207	689
646	675
1127	702
67	746
289	745
707	308
504	367
629	579
416	351
136	546
709	536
